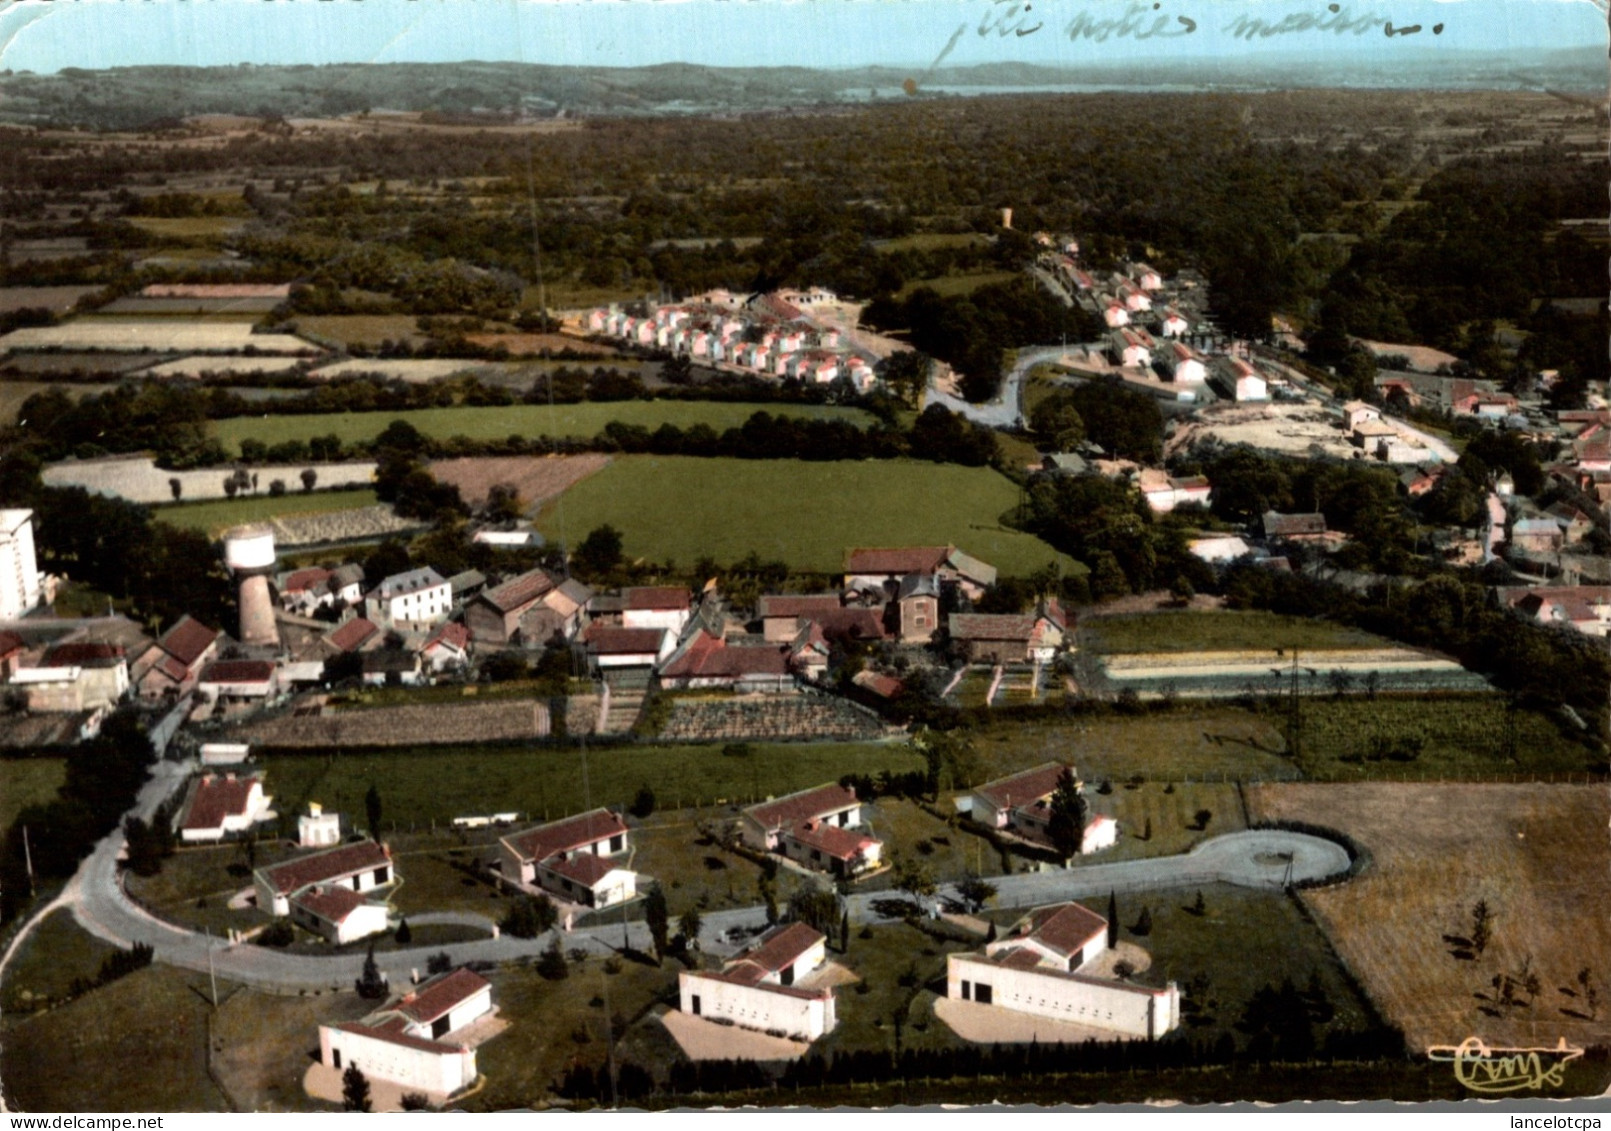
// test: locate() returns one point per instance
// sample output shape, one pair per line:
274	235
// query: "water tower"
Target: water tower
249	554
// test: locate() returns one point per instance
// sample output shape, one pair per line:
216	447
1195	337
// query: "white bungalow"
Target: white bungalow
1185	365
1173	324
361	867
1114	313
338	915
574	858
410	1042
222	805
759	988
1132	349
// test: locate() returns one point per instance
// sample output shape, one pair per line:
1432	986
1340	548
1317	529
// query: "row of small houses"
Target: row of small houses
773	338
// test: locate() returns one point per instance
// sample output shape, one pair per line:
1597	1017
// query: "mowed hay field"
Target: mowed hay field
1198	631
214	517
1537	854
804	513
499	422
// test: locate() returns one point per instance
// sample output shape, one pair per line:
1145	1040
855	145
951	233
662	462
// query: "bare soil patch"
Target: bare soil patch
1537	854
536	478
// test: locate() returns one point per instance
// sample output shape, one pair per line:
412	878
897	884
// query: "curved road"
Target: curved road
1007	410
1253	858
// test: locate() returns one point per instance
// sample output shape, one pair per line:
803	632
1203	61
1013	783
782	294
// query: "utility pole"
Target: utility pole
28	859
211	976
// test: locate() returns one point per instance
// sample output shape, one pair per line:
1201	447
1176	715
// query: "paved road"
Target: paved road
1251	859
1007	410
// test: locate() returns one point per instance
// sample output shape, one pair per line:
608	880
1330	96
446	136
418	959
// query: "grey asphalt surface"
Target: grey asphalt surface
1254	858
1007	410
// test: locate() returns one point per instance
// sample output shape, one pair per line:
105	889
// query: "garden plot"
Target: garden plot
415	371
1206	674
169	336
221	367
507	721
360	525
139	480
770	717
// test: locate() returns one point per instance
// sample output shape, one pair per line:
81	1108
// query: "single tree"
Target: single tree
658	918
177	486
1065	825
1146	829
1527	978
915	878
405	934
976	892
371	985
1481	926
354	1090
309	478
1199	906
1143	924
552	964
990	932
600	551
844	933
643	804
372	811
439	963
414	1101
689	925
1113	920
1202	817
231	486
276	488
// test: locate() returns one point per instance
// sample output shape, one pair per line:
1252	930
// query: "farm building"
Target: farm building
361	867
782	615
572	858
1034	969
218	806
76	676
607	647
759	989
707	661
355	635
1294	527
238	680
531	607
1021	804
392	667
881	571
1011	638
338	915
168	668
656	606
1238	381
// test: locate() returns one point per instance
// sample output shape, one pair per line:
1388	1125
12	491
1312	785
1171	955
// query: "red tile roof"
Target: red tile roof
238	671
781	947
797	605
326	866
1064	928
610	640
841	844
655	597
803	806
187	640
1017	627
852	623
304	579
708	657
332	904
911	559
352	634
518	592
1023	788
441	994
563	836
217	798
393	1036
451	633
584	868
79	654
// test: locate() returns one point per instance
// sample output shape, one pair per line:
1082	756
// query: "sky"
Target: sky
46	35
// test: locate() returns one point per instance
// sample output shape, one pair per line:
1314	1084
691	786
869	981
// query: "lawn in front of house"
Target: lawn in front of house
269	1040
801	512
195	885
56	953
901	973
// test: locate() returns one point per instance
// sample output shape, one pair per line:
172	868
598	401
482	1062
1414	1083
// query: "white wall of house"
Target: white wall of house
318	829
476	1005
365	880
616	886
1133	1010
444	1073
672	619
360	923
423	606
756	1007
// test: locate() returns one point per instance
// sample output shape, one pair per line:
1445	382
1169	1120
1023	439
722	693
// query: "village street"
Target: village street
1254	858
1007	410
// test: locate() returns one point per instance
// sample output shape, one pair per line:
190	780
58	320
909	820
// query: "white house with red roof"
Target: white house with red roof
447	649
410	1042
360	867
238	680
1132	349
1147	278
842	853
1241	381
337	914
1114	313
707	661
656	606
1186	365
218	806
1021	804
170	666
578	858
761	988
817	828
1040	967
1173	324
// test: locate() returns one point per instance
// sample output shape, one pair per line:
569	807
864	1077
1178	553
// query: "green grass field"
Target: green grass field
56	953
929	241
28	781
222	513
1218	632
500	422
441	783
948	285
806	514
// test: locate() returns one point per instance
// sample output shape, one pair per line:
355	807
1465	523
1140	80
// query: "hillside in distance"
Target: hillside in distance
135	97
